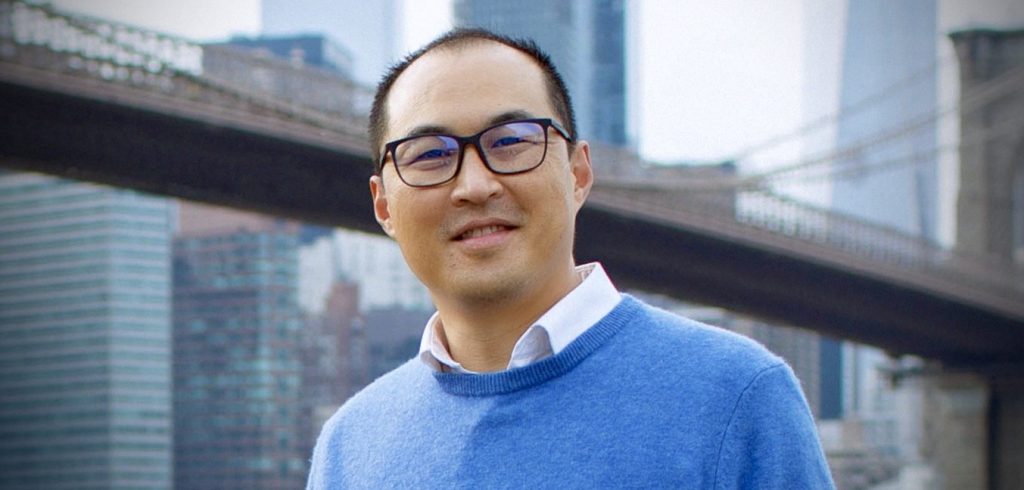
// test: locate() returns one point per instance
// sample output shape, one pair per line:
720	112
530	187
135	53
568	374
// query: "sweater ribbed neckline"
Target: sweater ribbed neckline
502	382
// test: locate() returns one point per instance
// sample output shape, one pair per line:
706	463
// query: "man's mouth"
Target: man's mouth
481	231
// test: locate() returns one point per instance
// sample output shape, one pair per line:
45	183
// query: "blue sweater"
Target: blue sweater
642	399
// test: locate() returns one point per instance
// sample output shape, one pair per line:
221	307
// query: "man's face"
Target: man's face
482	237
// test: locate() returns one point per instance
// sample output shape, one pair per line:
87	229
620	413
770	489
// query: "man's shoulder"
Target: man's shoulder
390	391
686	344
381	412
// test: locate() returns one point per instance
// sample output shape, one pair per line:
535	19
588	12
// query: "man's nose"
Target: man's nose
475	182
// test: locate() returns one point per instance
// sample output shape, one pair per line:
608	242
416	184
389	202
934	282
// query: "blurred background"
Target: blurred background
191	280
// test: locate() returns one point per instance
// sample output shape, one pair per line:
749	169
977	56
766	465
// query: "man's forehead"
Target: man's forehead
468	48
480	78
466	56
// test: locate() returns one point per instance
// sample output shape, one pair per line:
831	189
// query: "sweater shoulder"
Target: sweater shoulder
686	345
362	420
389	390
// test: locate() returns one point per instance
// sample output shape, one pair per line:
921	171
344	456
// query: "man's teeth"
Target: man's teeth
487	230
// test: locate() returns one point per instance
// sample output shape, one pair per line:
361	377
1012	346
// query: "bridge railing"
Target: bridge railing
780	214
37	36
308	87
768	218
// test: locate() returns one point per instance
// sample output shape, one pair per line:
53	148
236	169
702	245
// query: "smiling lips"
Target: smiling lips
478	230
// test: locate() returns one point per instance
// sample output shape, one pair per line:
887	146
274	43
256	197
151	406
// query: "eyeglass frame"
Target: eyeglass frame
474	139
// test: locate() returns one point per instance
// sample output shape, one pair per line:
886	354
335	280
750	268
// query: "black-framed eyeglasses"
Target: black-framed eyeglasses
511	147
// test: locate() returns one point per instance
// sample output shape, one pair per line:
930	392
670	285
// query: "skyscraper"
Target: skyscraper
586	40
85	374
368	30
888	128
393	305
335	362
238	411
376	264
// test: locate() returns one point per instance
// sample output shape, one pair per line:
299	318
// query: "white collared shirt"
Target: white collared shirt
584	306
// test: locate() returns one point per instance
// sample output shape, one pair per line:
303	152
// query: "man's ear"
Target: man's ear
582	172
380	205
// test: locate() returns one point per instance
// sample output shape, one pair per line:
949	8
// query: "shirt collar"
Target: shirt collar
584	306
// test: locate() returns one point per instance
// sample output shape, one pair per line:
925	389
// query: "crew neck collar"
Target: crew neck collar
502	382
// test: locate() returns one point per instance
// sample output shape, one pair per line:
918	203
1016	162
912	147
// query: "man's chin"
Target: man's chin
490	290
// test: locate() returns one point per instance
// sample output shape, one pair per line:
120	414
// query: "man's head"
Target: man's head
486	234
454	39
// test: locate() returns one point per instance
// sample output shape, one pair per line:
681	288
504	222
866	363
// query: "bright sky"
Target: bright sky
707	78
716	76
201	20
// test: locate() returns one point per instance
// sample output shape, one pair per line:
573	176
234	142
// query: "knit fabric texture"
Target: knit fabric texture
643	399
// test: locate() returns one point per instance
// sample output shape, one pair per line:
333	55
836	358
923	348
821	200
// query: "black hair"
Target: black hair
557	92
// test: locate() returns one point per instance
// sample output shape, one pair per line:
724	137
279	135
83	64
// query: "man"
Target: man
536	373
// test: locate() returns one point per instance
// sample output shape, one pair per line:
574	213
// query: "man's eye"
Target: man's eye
433	154
507	141
431	159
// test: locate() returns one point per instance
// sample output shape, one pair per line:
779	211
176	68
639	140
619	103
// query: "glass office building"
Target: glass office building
85	373
888	89
238	410
370	31
587	41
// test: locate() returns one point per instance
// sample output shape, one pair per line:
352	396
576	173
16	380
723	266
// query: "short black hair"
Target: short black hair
557	91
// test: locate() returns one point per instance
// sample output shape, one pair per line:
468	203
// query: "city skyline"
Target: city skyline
360	339
85	351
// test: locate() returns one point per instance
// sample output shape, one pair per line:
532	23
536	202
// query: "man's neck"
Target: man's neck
481	336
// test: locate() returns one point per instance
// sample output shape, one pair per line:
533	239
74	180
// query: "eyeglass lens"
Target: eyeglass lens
509	148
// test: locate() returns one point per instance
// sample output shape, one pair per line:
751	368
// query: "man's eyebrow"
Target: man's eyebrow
427	129
500	118
510	116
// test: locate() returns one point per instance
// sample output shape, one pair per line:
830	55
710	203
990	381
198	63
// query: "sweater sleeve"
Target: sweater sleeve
771	440
323	464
